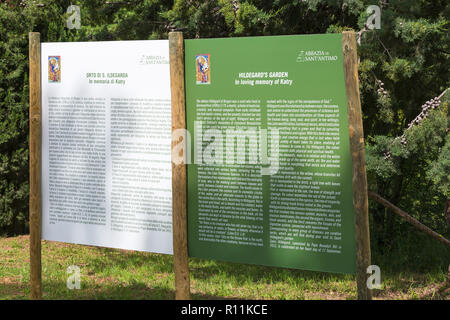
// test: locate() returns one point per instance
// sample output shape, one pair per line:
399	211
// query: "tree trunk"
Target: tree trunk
447	212
390	219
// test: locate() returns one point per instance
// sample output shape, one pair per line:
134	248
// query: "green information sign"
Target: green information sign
270	179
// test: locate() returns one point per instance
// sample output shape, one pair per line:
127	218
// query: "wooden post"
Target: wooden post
35	165
360	199
179	216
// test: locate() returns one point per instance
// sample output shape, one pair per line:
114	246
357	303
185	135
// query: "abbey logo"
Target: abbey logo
146	59
315	56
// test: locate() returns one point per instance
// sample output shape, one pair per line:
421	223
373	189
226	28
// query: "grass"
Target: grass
121	274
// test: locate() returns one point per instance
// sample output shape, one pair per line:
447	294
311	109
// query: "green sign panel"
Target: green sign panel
270	179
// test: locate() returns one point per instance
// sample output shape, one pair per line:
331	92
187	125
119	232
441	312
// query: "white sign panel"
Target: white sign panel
106	144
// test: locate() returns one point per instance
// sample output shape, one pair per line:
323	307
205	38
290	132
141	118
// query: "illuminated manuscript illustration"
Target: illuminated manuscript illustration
54	69
203	67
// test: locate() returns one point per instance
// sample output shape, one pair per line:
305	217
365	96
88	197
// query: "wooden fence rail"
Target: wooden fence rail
408	218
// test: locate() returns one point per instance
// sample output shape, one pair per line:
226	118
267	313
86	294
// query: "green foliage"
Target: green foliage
439	172
13	122
402	65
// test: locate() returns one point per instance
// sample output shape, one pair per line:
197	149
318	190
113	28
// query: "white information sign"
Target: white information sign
106	144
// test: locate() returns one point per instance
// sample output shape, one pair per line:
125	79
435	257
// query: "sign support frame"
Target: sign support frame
179	178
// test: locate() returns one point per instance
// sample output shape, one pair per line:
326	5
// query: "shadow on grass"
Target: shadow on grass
135	291
12	290
124	259
204	269
419	289
441	292
414	285
400	288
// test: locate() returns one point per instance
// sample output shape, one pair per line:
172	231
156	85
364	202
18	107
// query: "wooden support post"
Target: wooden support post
360	200
35	165
179	216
